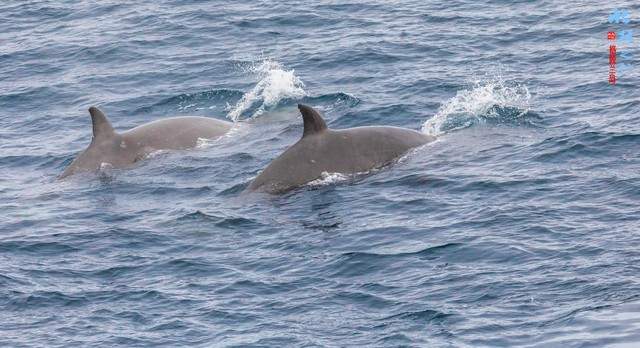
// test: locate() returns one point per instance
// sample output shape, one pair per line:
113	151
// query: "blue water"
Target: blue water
518	227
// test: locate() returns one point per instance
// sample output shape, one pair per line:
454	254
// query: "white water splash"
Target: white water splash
155	153
477	104
105	170
274	84
187	107
329	178
233	132
105	166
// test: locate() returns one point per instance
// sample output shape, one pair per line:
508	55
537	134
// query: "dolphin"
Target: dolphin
119	150
324	150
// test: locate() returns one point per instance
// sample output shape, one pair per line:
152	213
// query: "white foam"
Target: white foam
476	104
328	179
105	170
274	84
155	153
234	131
105	166
202	143
186	107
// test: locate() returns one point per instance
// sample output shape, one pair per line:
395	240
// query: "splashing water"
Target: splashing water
275	83
235	130
329	179
486	100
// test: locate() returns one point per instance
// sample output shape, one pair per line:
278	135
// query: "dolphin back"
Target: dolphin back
323	150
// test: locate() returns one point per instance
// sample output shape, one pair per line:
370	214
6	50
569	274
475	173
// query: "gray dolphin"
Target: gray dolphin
122	149
347	151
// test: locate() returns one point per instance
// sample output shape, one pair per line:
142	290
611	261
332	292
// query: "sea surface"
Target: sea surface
518	227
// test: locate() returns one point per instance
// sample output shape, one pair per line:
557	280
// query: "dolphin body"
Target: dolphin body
123	149
347	151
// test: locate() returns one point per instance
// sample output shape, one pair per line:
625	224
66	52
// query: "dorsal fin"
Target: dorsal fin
313	122
101	125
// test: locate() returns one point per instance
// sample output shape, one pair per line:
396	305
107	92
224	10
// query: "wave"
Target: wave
275	83
334	99
424	316
36	248
492	101
193	101
426	253
590	144
220	221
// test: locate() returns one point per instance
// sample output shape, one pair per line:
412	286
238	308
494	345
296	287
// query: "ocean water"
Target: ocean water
518	227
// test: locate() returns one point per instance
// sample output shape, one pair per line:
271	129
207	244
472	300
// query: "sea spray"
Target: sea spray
327	178
494	99
274	84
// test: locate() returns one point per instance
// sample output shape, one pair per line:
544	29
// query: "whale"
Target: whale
324	150
119	150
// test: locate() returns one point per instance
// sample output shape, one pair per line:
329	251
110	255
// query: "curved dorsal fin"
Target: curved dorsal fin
313	122
101	125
